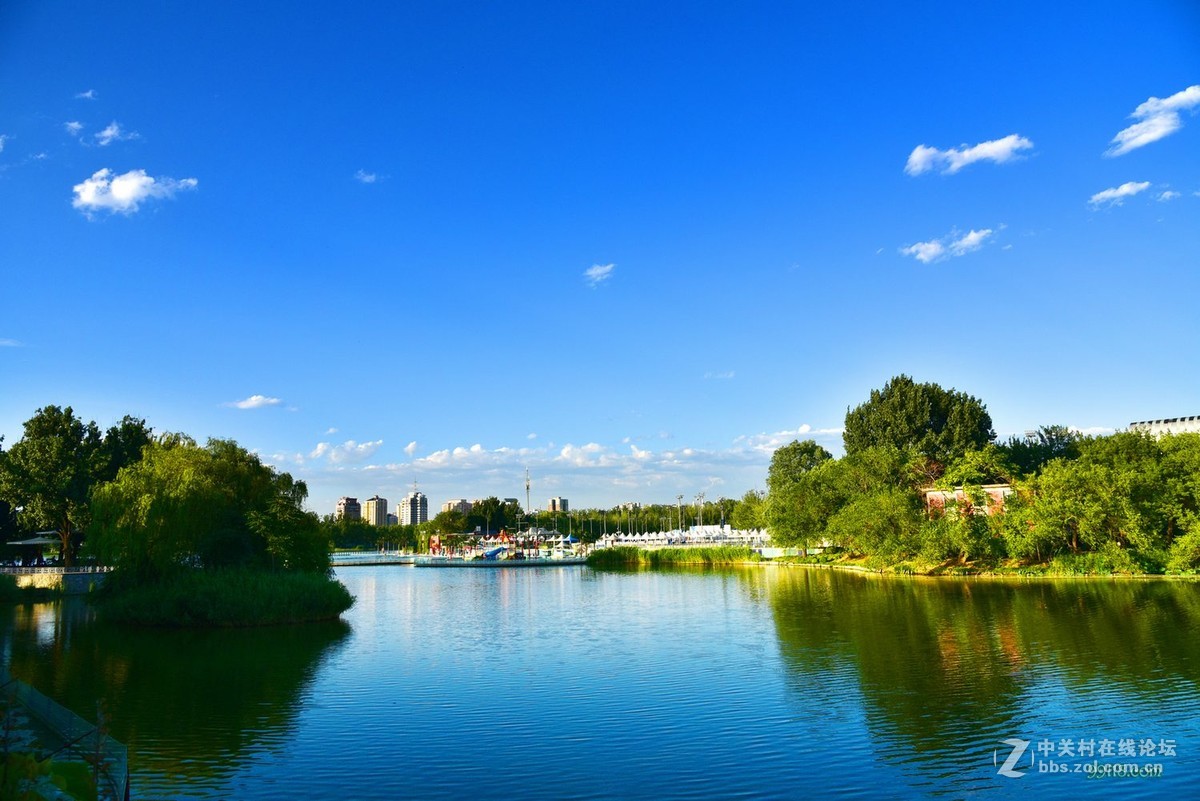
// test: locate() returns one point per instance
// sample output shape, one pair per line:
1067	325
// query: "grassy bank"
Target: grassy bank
224	598
631	556
1063	566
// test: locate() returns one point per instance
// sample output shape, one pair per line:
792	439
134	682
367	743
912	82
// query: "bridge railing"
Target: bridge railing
54	571
72	734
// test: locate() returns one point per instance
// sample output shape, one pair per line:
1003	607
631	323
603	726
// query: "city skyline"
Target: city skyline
631	249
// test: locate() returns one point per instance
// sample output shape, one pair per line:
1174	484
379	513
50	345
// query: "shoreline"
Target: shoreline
988	574
954	572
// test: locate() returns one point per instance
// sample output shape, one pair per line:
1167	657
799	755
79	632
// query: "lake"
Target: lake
761	682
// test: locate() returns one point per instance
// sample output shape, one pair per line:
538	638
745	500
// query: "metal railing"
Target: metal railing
54	571
72	734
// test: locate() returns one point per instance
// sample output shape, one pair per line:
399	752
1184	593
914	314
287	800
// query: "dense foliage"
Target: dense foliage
217	506
1126	502
50	473
939	424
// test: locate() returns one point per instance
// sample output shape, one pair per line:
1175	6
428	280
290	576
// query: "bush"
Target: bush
1185	551
1107	560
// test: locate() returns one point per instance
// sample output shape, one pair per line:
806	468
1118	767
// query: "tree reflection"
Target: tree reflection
188	703
943	664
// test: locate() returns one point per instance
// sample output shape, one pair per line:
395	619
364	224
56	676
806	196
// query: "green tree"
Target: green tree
748	513
794	508
491	514
939	424
48	475
883	523
986	465
1028	455
450	521
210	507
9	530
122	445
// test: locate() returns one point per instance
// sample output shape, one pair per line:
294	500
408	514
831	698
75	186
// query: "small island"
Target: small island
195	535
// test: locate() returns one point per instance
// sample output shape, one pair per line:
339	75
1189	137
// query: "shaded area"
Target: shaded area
188	703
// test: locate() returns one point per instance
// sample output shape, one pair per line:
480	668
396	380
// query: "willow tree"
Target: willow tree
207	507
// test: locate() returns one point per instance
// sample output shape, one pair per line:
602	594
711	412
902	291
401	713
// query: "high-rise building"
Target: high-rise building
348	509
375	511
414	509
558	505
457	505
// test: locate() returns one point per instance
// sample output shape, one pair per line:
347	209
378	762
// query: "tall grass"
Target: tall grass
10	593
631	556
236	597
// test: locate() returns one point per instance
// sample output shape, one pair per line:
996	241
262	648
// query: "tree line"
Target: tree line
153	504
1124	502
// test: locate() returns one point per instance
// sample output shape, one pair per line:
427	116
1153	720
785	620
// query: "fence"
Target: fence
54	571
72	734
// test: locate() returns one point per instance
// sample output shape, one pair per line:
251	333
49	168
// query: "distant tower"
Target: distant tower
559	505
526	490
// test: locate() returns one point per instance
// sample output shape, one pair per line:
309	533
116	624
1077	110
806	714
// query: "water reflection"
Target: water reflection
947	668
189	704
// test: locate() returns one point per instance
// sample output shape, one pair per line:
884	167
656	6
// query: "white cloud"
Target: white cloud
949	246
769	443
1168	194
724	376
113	133
348	452
531	435
925	252
592	454
364	177
255	402
73	127
90	94
9	343
924	158
411	448
330	430
1116	195
3	138
1093	431
591	474
105	191
1157	118
971	241
598	273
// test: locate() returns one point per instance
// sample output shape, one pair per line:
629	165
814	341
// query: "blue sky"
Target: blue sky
631	247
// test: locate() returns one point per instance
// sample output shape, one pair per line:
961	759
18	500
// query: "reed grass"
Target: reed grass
631	556
236	597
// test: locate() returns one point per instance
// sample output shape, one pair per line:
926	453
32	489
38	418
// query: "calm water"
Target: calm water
570	683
